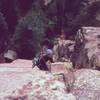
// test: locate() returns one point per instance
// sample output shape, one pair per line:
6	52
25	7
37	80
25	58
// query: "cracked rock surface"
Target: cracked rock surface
18	81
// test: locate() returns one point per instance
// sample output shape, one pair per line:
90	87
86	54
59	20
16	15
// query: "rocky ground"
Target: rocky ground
18	81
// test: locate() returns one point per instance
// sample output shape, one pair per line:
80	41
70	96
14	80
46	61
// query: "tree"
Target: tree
65	13
7	7
36	21
3	33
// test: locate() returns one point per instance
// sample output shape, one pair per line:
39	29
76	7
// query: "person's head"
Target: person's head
49	52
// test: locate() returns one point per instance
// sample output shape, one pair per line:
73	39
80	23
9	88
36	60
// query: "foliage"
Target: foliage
3	25
35	20
41	16
3	33
67	14
85	15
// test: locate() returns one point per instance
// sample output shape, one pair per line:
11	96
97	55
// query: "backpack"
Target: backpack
36	60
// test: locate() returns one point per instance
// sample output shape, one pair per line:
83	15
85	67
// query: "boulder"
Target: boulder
86	85
10	54
19	81
64	72
46	2
87	45
13	77
95	61
47	87
63	49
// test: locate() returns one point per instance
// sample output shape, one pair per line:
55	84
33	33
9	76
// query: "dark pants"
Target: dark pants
42	65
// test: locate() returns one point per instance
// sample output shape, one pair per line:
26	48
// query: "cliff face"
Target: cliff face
87	48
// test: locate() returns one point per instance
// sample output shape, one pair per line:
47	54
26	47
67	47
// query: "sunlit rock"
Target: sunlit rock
86	85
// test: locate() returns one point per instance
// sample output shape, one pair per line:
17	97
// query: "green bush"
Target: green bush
36	21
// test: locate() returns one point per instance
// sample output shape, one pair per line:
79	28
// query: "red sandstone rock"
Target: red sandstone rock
18	81
87	44
58	67
86	85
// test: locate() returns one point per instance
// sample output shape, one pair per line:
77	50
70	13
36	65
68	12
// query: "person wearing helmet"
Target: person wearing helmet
43	58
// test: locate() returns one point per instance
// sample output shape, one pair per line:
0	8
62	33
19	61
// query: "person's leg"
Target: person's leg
43	66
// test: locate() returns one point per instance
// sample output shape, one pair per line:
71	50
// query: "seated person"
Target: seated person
41	60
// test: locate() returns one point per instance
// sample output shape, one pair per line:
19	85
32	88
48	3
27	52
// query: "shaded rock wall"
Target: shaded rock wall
87	45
